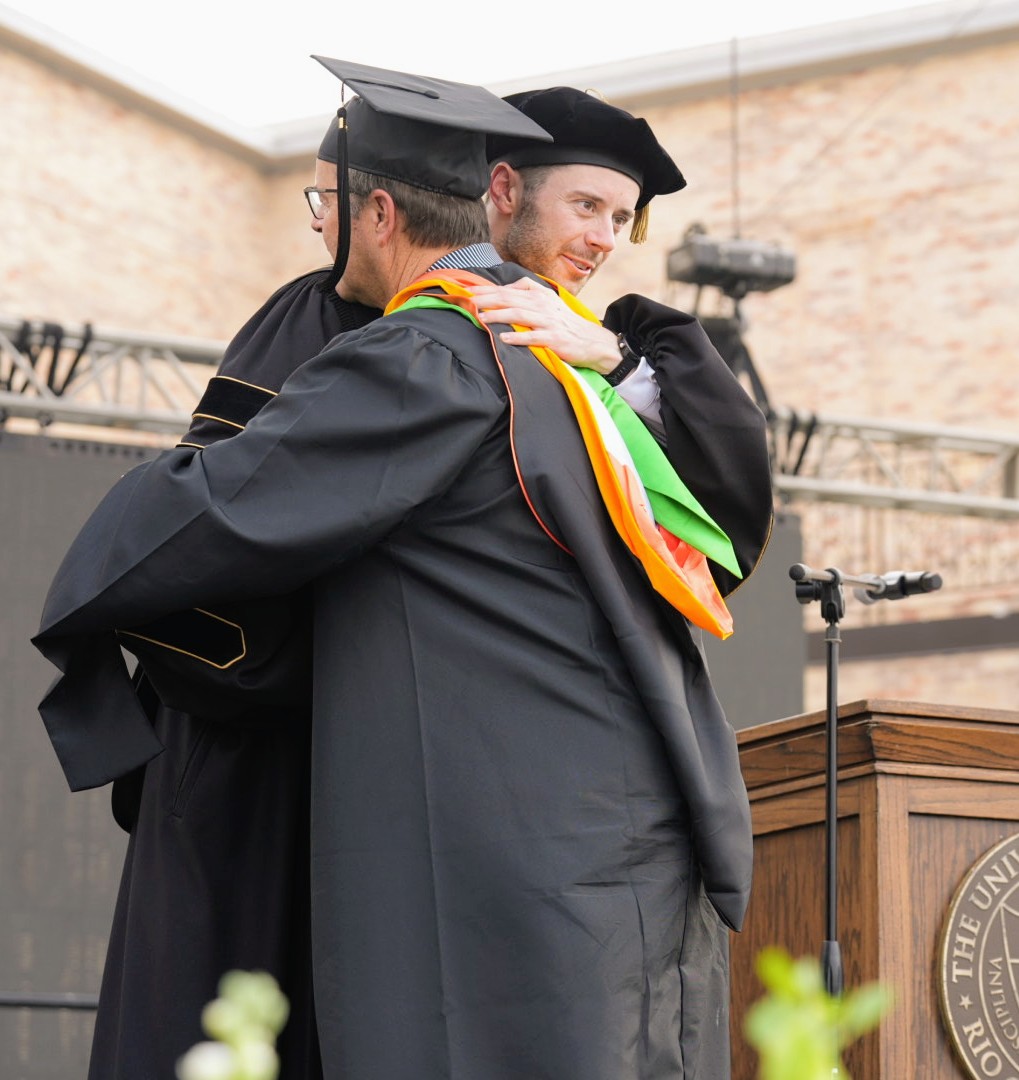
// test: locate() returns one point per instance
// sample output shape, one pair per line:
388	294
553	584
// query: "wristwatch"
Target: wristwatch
626	365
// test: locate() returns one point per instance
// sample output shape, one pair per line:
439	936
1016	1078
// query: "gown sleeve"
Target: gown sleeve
296	323
358	438
247	662
716	437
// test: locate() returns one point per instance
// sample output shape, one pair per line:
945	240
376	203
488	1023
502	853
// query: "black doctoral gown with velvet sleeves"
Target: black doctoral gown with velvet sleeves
216	872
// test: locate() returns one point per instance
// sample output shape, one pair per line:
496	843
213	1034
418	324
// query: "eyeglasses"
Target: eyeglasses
316	202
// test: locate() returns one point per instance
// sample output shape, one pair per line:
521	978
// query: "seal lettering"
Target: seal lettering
979	968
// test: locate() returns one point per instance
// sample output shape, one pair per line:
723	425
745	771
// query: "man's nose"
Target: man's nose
602	235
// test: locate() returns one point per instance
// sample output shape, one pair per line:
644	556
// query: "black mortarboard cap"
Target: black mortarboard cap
327	148
429	133
589	131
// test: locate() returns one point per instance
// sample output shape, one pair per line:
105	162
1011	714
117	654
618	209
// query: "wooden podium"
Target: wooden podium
924	791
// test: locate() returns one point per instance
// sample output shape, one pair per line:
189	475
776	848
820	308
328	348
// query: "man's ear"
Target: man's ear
382	215
504	188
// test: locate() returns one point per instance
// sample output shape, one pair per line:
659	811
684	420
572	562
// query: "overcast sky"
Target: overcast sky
249	62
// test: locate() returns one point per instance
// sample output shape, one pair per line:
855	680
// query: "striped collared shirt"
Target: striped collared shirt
468	258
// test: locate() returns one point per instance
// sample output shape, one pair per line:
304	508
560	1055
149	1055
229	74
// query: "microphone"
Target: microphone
897	584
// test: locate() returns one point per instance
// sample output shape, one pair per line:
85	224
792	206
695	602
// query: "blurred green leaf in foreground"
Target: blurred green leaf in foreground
244	1021
798	1029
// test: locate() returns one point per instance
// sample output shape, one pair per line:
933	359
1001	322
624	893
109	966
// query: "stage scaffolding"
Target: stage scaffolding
52	375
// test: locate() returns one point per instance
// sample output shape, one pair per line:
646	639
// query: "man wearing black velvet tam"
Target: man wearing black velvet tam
529	829
560	209
588	131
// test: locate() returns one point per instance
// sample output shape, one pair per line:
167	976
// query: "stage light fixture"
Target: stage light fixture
736	267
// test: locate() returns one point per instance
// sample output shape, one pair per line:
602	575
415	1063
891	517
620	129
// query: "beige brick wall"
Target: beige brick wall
118	218
898	189
986	680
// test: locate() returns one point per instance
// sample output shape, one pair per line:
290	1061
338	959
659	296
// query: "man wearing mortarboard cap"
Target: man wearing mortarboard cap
516	822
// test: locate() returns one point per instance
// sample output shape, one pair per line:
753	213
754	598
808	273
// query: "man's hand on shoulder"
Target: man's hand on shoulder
526	303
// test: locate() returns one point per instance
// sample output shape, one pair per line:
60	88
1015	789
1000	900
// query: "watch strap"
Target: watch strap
630	361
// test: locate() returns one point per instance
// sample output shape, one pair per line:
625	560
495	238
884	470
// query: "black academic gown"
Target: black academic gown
216	872
529	820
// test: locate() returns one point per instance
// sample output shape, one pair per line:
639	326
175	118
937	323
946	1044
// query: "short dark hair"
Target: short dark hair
534	177
431	218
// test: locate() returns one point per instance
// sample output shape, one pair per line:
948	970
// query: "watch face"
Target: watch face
625	351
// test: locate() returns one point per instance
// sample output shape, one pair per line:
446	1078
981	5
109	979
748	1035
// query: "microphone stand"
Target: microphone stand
826	586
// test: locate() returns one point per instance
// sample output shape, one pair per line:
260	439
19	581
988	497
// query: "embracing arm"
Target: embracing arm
579	341
247	660
716	435
359	437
